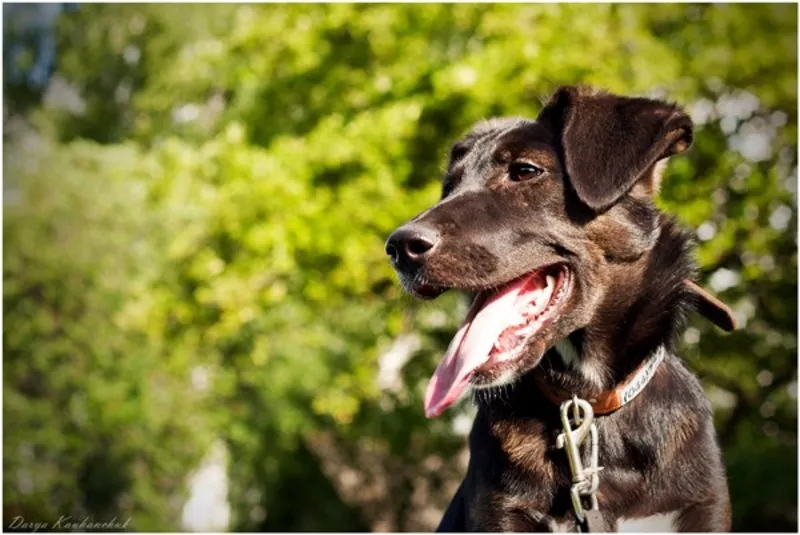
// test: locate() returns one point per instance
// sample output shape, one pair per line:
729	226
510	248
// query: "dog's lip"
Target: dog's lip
431	290
427	291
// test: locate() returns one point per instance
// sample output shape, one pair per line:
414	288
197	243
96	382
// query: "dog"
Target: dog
582	285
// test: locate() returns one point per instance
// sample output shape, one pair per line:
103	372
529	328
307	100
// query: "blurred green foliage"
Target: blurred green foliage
195	209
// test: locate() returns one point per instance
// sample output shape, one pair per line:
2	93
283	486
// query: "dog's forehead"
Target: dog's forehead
509	134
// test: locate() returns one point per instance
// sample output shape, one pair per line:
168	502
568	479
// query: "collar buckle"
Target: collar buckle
585	480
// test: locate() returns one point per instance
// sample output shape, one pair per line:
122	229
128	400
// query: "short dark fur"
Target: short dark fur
591	209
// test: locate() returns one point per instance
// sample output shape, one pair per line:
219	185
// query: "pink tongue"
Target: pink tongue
470	348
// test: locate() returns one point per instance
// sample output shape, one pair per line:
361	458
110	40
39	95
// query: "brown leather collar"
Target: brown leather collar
610	400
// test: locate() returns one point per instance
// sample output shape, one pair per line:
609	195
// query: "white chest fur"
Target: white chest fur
664	523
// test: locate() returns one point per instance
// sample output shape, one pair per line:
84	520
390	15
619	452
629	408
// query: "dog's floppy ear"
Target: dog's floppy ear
712	308
610	142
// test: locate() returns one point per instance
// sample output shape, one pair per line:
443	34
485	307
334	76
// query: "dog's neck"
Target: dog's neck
641	312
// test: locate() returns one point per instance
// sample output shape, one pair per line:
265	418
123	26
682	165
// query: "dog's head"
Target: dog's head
534	216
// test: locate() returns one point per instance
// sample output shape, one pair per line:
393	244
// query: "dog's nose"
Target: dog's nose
411	244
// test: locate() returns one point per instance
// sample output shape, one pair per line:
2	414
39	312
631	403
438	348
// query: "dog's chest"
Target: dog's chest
527	483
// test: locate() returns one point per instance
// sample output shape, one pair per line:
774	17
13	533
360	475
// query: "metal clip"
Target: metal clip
585	481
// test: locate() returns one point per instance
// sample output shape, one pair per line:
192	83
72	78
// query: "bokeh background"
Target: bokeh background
201	329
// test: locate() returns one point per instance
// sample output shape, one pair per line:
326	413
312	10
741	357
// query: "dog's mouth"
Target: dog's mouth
496	332
426	291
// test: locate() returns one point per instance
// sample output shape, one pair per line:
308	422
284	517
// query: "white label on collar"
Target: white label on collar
644	375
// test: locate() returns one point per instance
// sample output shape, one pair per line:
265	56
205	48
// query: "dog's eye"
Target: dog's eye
519	171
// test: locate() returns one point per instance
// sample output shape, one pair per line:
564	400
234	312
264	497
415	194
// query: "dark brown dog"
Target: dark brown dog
580	280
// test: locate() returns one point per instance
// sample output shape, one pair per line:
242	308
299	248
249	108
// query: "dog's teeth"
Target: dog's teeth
551	281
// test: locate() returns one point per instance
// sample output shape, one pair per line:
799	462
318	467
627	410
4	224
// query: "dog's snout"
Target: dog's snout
411	244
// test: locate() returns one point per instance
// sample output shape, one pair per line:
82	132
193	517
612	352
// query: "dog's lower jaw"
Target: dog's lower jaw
570	357
506	378
500	389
